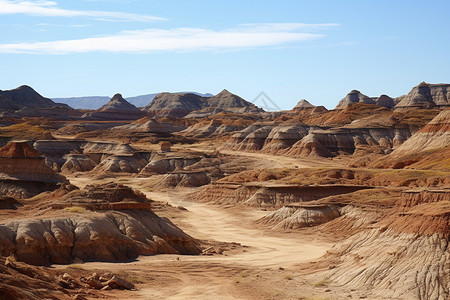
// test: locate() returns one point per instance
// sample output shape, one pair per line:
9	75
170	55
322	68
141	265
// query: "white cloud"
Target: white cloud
179	39
51	9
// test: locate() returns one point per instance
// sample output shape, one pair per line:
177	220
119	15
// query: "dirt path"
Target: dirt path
266	248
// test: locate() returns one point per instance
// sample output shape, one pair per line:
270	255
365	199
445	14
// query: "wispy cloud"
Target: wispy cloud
179	39
51	9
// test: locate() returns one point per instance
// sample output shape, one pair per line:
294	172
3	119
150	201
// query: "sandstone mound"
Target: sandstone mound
303	104
127	228
428	147
111	196
122	163
299	216
405	255
18	150
268	195
26	102
353	97
231	102
163	165
78	163
425	95
116	109
23	173
184	179
175	104
180	105
148	125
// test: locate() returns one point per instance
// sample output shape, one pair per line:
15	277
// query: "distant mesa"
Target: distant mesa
116	109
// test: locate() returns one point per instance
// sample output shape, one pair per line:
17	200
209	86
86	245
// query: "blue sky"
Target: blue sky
317	50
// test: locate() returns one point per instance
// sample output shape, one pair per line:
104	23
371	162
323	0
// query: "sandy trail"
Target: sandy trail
266	249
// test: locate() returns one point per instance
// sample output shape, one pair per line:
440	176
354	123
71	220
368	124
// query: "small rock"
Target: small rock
327	290
118	283
105	277
79	297
281	268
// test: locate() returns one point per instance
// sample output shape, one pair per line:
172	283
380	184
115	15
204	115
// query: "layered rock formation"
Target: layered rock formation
297	216
181	104
77	163
268	195
434	135
23	173
116	109
184	179
427	148
163	164
425	95
405	255
24	101
303	104
122	163
123	233
175	104
353	97
233	103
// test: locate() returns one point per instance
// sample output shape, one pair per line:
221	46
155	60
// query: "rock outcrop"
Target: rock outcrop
434	135
122	164
125	230
297	216
77	163
163	165
23	173
184	179
425	95
404	255
353	97
268	195
303	104
26	102
175	104
182	104
232	103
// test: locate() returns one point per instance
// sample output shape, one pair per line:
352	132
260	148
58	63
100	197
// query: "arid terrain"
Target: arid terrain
211	197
